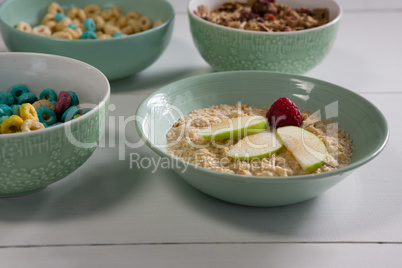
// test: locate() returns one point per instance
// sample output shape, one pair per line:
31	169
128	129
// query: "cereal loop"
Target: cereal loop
100	22
72	32
145	23
42	30
133	15
111	29
62	35
158	22
92	10
128	29
31	125
122	22
55	8
48	17
11	124
51	25
23	26
41	103
77	14
116	11
107	14
63	24
27	111
135	24
104	36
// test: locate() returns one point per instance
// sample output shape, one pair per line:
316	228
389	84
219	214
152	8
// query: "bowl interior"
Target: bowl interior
361	119
32	12
40	71
333	7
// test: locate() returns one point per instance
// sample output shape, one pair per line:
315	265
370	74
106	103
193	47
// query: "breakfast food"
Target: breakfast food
316	146
264	15
32	114
91	22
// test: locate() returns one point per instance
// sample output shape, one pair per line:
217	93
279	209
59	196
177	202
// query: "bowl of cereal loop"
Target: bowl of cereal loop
120	38
291	36
261	138
53	111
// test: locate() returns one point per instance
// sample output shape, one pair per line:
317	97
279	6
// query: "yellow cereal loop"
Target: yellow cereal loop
100	22
116	11
48	17
133	15
42	30
31	125
11	124
27	111
62	35
107	14
55	8
122	21
23	26
145	23
111	29
63	24
77	13
158	22
51	25
104	36
135	24
79	31
128	30
72	32
92	10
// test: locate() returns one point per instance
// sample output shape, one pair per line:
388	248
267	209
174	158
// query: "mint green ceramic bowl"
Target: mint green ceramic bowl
116	58
158	112
227	49
32	160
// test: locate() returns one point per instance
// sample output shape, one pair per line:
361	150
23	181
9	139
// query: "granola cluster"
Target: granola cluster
264	15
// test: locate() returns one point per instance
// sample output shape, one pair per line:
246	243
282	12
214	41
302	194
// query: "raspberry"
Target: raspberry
283	112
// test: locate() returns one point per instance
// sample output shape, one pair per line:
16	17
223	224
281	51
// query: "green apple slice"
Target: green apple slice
235	127
306	147
256	146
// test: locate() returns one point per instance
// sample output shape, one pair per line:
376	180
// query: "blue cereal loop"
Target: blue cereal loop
6	98
117	34
16	109
89	24
72	26
59	17
69	114
88	35
45	125
48	94
55	124
27	97
5	110
46	115
18	90
2	118
74	98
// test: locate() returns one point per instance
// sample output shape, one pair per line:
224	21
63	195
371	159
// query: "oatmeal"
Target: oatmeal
185	144
264	15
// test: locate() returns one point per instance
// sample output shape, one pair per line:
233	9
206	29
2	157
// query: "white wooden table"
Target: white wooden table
108	215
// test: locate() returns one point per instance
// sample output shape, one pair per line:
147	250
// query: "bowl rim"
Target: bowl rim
263	179
102	102
83	41
329	24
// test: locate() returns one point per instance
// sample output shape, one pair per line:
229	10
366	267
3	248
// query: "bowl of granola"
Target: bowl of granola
205	127
284	35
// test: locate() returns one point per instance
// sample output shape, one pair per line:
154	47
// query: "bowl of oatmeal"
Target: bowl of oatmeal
174	122
283	35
